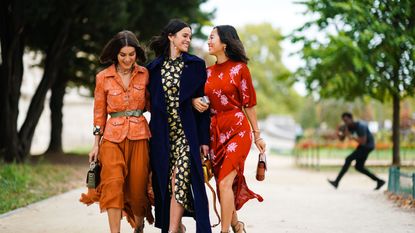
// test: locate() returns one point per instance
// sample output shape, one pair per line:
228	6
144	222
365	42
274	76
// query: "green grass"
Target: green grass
22	184
82	151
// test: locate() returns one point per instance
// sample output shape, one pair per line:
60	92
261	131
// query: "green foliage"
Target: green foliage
92	23
368	48
271	78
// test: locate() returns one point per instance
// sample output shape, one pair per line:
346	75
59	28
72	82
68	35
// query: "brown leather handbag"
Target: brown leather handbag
207	169
261	167
208	174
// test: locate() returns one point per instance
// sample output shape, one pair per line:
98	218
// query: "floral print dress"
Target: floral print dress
179	147
230	89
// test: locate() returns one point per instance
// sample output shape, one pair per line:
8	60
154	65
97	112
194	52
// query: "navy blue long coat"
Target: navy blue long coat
196	129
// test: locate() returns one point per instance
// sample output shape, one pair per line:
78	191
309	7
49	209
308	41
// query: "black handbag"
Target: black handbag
93	175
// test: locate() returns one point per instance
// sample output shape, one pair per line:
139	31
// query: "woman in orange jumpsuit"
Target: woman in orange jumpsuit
233	122
121	141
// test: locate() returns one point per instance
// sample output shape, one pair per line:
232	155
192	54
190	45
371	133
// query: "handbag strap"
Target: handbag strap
208	157
214	203
262	158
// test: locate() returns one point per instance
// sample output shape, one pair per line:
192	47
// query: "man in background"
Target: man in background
359	132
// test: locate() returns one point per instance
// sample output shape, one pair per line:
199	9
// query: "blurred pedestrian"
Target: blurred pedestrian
179	132
121	141
233	122
359	132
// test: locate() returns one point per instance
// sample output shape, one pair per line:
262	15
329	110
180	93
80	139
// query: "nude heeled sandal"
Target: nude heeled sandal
237	228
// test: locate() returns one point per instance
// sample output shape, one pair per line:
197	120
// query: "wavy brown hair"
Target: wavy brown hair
120	40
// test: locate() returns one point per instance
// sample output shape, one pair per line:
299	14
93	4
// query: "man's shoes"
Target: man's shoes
380	184
334	183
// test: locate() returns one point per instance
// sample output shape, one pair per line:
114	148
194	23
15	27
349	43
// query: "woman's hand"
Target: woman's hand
93	155
199	105
260	144
204	149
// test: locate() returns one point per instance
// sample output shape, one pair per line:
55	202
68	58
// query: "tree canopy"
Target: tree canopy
69	36
272	80
363	47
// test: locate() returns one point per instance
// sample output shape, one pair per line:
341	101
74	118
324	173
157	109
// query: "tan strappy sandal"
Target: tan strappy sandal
239	227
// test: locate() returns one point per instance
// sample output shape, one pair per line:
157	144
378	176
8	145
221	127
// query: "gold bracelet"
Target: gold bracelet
256	131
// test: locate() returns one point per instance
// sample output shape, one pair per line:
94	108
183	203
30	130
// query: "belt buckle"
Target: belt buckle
129	113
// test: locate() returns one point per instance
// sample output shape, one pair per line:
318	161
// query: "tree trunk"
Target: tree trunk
53	64
2	112
56	105
12	47
396	161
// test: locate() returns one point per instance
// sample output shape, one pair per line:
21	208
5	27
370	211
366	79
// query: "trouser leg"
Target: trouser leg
360	163
346	165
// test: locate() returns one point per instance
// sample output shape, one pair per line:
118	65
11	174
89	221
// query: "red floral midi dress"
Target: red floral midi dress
230	89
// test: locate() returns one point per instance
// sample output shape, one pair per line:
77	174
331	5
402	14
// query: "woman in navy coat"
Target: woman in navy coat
179	133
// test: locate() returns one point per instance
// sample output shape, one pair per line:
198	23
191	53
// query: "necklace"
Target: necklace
124	72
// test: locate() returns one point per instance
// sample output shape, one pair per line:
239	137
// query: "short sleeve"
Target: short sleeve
246	88
361	130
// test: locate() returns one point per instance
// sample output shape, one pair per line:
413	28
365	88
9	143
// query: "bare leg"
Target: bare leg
227	200
234	218
114	219
176	209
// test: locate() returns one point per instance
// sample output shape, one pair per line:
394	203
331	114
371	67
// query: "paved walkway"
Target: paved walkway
296	201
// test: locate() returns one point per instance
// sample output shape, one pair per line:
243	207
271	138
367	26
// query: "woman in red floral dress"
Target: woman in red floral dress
233	122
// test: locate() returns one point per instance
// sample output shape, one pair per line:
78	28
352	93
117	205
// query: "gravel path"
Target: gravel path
296	201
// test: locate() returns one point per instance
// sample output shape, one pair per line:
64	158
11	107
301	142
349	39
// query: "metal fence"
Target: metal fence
401	183
316	156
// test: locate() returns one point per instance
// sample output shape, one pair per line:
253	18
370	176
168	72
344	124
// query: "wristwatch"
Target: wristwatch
97	130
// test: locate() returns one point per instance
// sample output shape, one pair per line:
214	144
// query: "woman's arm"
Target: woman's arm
252	117
100	116
93	155
202	117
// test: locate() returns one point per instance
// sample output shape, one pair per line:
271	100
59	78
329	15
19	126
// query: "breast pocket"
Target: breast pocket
138	127
114	98
114	130
139	92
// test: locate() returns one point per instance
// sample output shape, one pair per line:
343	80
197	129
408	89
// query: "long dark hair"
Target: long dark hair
161	44
121	39
234	47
